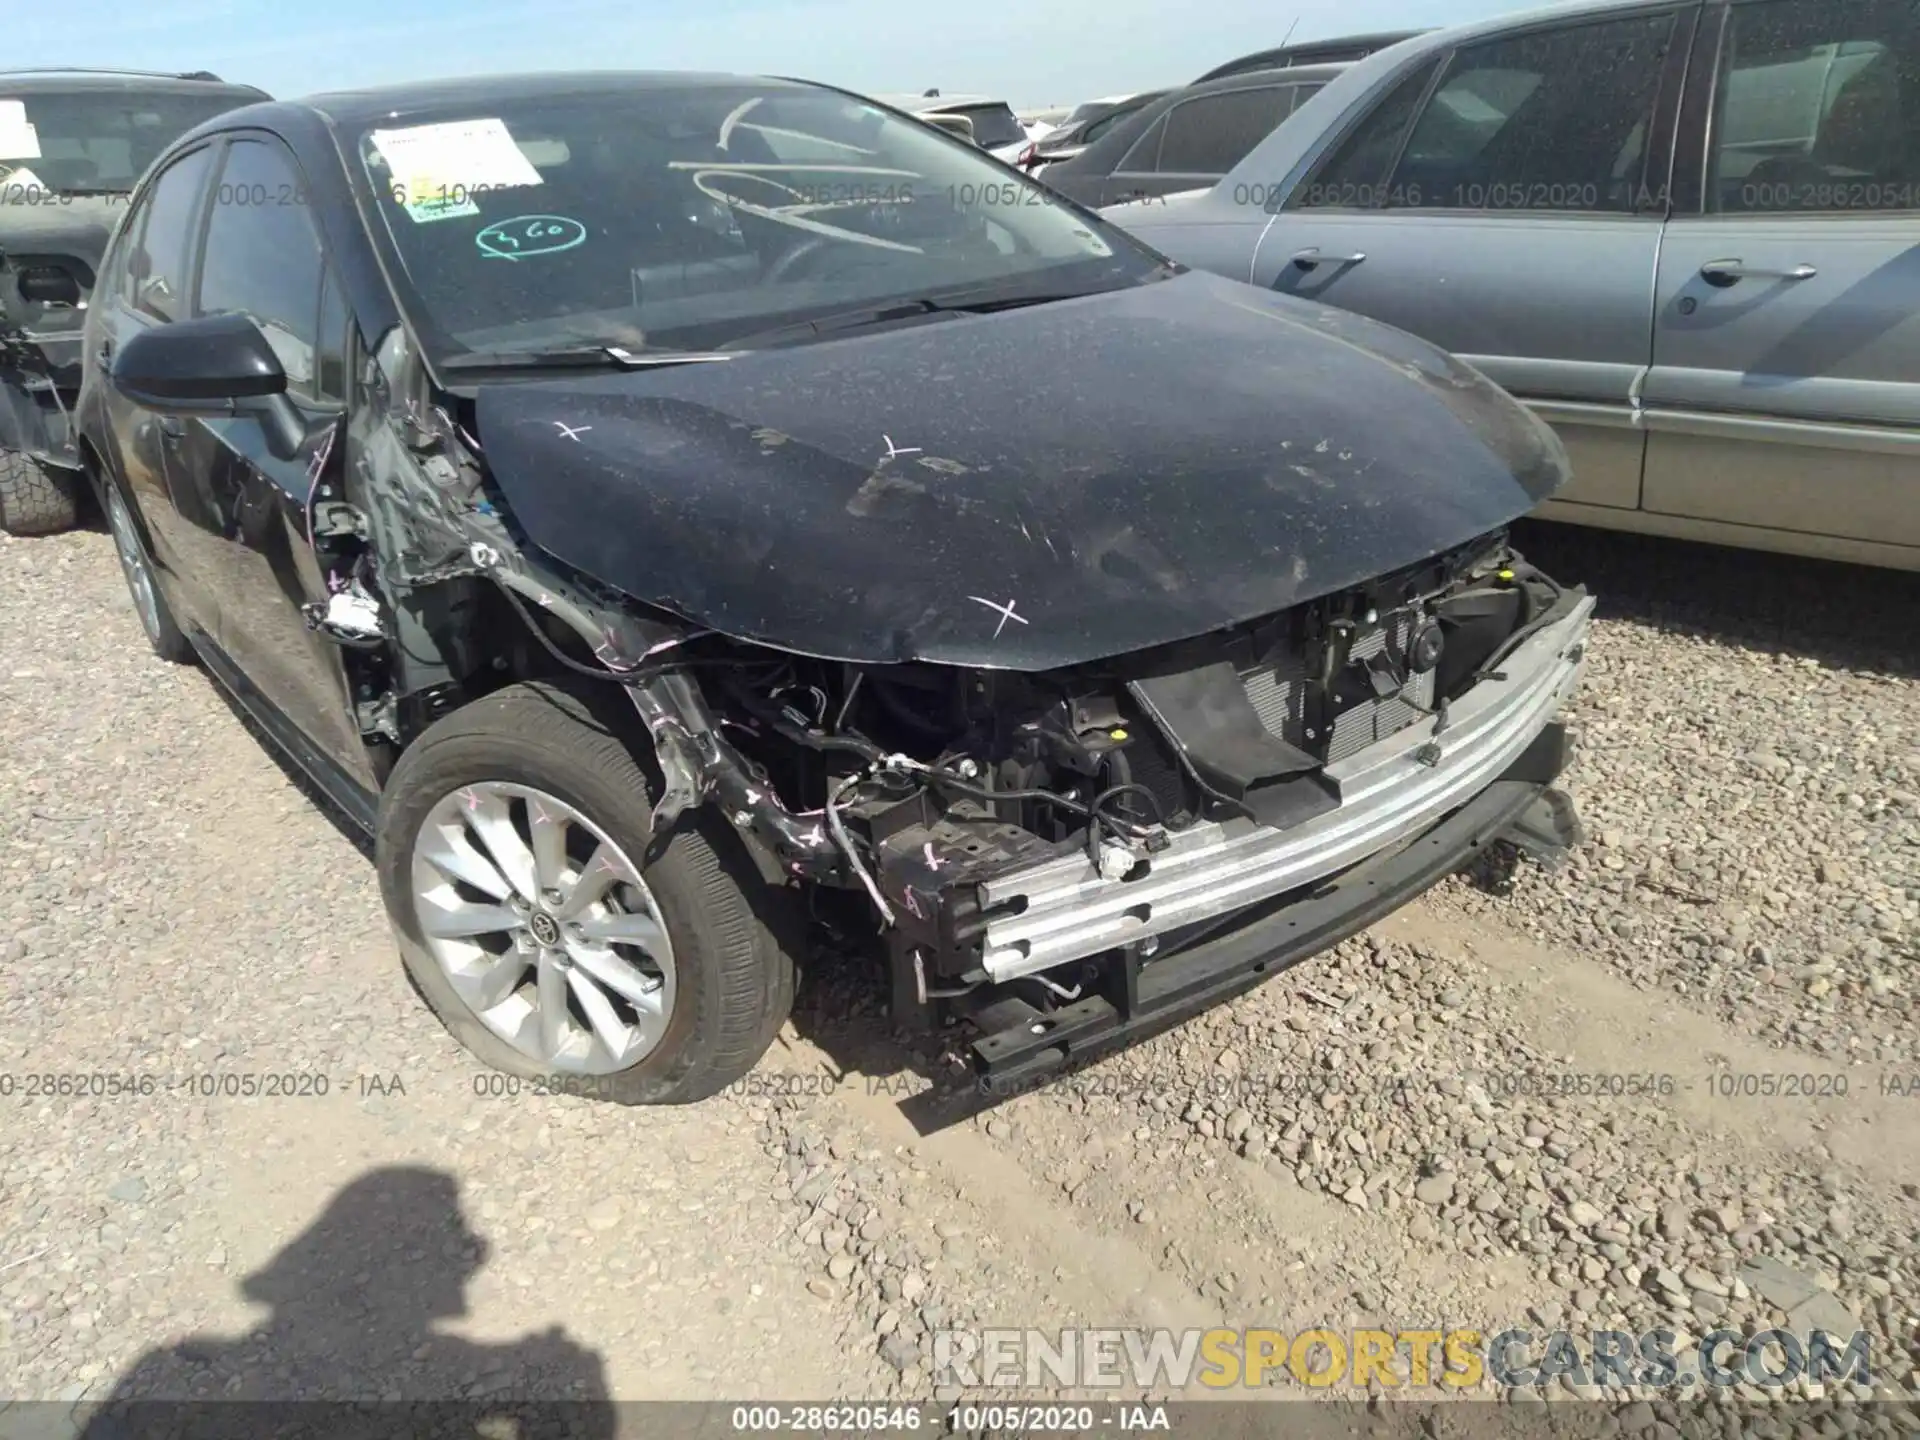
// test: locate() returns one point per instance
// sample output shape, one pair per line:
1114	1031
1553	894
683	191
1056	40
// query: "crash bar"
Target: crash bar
1389	791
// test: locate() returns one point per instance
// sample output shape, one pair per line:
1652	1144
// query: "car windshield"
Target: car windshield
97	139
686	217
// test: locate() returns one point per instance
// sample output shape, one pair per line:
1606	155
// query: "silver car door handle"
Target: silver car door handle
1729	272
1307	259
172	428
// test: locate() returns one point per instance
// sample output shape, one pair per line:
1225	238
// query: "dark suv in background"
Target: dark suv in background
1187	139
73	143
1340	50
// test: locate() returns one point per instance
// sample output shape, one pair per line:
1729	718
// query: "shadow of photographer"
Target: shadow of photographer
350	1347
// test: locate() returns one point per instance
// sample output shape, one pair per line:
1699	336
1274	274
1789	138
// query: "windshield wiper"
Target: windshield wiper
983	301
578	357
839	320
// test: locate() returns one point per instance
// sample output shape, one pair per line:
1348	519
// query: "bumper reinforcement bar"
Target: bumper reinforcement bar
1143	997
1063	910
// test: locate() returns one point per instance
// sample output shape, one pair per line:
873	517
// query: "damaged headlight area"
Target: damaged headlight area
1065	858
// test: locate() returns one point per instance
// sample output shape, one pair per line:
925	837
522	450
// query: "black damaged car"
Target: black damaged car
72	146
628	497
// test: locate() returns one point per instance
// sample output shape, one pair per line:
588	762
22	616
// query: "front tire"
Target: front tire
510	850
36	499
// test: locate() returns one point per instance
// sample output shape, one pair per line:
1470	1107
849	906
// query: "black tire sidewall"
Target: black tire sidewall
453	754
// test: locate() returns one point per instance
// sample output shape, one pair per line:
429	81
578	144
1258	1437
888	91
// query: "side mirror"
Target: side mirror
219	365
199	367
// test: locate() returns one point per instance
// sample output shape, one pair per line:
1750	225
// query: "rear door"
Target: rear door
1505	201
264	257
1785	390
1199	140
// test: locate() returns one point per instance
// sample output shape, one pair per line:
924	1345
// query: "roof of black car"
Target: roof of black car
1239	80
354	107
1293	74
68	82
1339	48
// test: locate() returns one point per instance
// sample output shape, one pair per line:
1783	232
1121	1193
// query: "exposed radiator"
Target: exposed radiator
1278	693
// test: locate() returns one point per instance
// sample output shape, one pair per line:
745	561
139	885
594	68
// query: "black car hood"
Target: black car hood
1022	490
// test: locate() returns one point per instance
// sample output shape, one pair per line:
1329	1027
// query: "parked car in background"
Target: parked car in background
72	144
1040	123
1093	109
1339	50
1683	233
1086	124
958	126
641	596
994	126
1185	139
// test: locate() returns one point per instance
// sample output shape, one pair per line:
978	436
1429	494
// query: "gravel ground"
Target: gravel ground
1749	773
1431	1124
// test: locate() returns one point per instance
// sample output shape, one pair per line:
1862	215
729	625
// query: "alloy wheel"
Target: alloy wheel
133	563
543	927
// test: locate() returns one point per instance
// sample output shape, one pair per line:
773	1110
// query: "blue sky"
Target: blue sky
1031	52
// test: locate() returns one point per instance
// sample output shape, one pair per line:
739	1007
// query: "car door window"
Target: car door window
1145	154
335	349
1211	134
1354	175
1555	120
1547	120
264	258
118	272
161	259
1819	108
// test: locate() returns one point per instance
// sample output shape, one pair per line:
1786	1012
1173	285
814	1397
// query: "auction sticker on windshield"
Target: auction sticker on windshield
440	168
18	139
422	207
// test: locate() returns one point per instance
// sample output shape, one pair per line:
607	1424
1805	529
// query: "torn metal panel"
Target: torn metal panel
418	501
699	763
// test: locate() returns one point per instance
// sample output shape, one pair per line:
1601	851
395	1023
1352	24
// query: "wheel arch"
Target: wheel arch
100	477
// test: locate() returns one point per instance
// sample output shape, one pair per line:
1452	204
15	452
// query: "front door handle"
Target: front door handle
171	427
1731	272
1308	259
